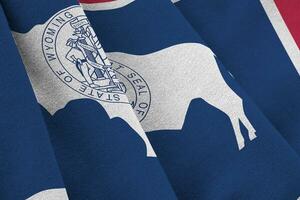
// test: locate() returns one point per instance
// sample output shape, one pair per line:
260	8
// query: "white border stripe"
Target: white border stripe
51	194
282	32
105	5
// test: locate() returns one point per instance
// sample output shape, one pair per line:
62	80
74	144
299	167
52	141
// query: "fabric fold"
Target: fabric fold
100	146
28	167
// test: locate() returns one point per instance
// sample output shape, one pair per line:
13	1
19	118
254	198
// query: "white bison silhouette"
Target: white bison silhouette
178	74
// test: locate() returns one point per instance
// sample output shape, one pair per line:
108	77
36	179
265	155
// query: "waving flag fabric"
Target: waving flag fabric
28	167
256	41
211	139
101	149
156	116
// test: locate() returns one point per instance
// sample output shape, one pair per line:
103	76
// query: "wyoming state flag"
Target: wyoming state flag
257	40
212	141
28	168
100	147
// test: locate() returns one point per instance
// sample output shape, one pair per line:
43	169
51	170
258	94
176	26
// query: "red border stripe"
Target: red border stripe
290	12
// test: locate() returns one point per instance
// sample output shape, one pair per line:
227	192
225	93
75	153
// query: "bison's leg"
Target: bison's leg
248	125
237	131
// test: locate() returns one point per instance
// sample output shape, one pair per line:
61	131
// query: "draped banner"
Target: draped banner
149	100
